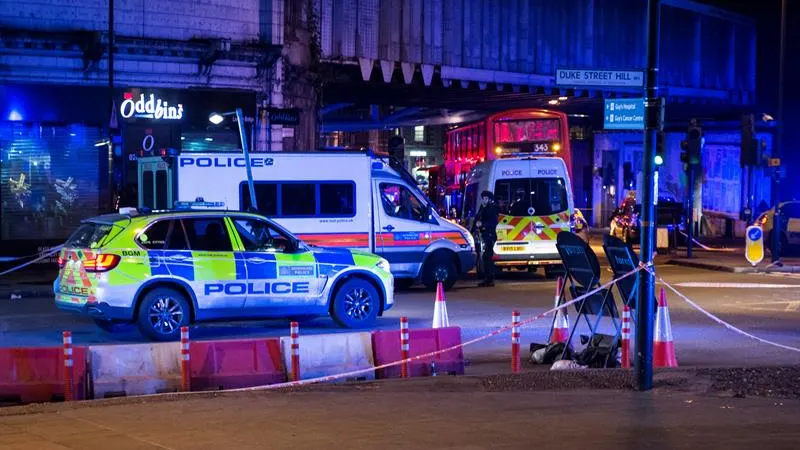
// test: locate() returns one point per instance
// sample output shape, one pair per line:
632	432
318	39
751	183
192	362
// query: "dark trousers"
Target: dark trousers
488	257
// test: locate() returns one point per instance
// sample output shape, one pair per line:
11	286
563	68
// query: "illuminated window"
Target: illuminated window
419	133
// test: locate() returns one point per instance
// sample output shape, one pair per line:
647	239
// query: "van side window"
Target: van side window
398	201
337	199
266	197
298	199
301	199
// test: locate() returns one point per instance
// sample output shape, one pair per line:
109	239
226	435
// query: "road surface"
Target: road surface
771	311
396	416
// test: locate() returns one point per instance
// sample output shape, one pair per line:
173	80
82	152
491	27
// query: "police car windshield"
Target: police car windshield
520	196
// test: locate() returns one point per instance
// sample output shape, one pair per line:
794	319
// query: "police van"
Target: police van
168	269
534	196
348	199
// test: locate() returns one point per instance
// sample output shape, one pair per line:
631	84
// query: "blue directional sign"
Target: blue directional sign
624	114
754	244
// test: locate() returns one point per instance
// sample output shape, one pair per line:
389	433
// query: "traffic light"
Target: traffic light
692	146
748	154
659	158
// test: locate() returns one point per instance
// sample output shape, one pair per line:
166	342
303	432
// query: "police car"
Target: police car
164	270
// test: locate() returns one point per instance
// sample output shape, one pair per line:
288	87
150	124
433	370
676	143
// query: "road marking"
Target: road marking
790	306
702	284
793	306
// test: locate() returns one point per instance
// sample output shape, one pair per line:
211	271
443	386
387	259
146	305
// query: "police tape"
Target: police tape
705	247
353	373
52	251
722	322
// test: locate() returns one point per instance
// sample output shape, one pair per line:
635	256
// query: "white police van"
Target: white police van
534	196
349	199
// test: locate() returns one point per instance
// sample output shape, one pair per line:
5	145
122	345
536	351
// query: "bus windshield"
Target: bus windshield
531	196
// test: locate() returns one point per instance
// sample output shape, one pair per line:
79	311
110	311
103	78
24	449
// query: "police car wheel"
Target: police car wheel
162	313
355	304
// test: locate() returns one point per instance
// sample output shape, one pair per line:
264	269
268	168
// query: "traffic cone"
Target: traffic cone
663	346
625	354
440	319
561	324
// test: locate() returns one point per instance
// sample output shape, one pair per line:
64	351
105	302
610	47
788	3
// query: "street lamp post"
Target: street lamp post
216	119
777	221
644	307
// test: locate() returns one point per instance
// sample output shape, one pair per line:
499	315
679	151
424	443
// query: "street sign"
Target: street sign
754	246
600	78
774	162
624	114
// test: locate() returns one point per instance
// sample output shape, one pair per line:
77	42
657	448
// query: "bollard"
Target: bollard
185	360
68	366
515	361
626	337
294	332
404	346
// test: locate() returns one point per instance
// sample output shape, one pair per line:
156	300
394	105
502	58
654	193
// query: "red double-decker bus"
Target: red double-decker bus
509	133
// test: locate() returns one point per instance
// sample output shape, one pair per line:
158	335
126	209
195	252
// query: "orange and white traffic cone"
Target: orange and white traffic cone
625	354
561	324
440	319
663	346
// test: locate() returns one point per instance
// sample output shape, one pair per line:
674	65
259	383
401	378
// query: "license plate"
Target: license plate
514	248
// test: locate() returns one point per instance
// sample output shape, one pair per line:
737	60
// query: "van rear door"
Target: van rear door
534	206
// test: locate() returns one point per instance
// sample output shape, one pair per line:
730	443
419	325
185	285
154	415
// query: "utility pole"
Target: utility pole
777	150
647	289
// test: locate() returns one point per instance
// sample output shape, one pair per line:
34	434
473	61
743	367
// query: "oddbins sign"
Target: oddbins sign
754	246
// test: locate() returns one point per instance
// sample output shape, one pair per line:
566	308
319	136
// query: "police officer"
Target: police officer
486	223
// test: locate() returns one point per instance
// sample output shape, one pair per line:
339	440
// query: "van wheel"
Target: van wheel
355	304
441	266
162	313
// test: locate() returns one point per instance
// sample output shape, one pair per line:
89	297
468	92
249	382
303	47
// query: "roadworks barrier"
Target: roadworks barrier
387	349
233	364
331	354
33	375
135	369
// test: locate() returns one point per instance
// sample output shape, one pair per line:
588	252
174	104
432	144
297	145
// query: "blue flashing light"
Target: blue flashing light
659	160
199	203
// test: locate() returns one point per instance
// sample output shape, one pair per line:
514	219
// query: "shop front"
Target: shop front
66	154
152	120
54	163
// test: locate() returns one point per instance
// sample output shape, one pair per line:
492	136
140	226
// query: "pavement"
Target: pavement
432	413
732	260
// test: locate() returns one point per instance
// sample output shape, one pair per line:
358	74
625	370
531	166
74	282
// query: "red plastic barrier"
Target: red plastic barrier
216	365
386	348
33	375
